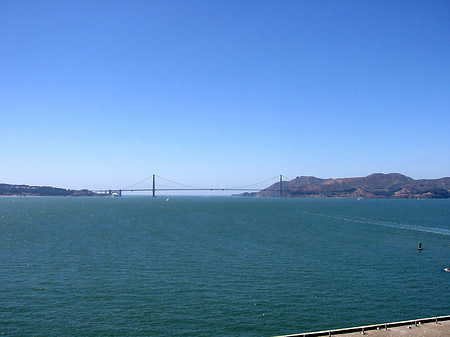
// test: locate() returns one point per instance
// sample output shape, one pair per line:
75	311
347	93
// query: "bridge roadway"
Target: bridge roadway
183	189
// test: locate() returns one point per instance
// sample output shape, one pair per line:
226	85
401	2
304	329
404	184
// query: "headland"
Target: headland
10	190
377	185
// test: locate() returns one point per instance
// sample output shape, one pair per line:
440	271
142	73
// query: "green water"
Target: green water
194	266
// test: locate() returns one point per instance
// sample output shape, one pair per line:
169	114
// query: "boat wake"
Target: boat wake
434	230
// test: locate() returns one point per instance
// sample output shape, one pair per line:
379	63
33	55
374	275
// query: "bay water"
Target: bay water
218	266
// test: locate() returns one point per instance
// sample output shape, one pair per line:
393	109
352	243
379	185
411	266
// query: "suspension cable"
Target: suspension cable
257	183
190	186
126	188
174	182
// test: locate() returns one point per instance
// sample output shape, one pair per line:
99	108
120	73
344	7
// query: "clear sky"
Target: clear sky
101	94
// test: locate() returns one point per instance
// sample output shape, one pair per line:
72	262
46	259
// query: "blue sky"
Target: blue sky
102	94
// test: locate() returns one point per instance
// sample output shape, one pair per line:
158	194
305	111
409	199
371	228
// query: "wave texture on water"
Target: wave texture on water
141	266
427	229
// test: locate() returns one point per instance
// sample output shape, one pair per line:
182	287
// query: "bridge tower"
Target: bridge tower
281	186
153	190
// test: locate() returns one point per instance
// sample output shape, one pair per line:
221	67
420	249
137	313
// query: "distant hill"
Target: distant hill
26	190
377	185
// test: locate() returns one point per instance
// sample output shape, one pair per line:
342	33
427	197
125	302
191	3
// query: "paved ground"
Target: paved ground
441	329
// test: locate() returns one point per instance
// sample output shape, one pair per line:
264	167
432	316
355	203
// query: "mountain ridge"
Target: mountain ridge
376	185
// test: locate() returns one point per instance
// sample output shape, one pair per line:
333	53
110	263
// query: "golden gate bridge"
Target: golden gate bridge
184	187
